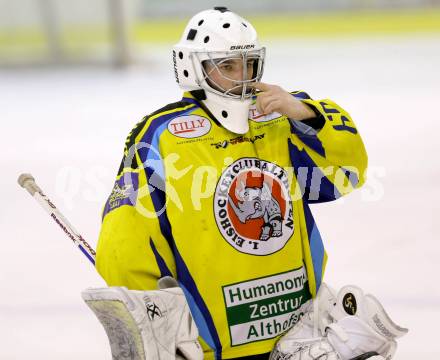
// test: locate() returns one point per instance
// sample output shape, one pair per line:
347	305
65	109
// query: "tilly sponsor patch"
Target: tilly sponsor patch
124	192
263	308
189	126
254	115
253	208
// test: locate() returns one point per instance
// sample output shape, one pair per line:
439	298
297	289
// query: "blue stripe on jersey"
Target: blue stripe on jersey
316	245
311	141
154	159
190	100
316	186
351	176
151	136
199	319
204	318
164	271
301	95
150	157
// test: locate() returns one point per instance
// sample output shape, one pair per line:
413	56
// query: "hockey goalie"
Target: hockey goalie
212	200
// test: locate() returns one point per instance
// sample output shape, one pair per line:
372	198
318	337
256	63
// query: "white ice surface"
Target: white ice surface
67	127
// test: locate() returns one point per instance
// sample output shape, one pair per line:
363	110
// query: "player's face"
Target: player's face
228	73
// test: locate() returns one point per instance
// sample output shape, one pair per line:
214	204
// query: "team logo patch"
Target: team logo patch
254	115
252	206
190	126
124	192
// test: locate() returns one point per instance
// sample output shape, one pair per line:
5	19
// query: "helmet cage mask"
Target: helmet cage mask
215	59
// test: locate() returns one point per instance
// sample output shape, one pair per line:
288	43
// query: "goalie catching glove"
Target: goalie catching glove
349	326
141	325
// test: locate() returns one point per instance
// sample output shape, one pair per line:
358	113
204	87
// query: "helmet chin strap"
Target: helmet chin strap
231	113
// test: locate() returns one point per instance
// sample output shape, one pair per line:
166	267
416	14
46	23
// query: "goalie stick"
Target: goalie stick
27	181
124	313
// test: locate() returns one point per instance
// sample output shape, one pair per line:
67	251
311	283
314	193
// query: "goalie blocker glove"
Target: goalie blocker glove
349	326
146	325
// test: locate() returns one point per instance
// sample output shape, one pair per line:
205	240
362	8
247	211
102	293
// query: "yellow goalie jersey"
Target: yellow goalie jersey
228	216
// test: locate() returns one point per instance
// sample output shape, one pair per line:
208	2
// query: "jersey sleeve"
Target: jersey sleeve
131	250
327	153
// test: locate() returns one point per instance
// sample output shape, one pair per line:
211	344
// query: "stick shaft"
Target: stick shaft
28	182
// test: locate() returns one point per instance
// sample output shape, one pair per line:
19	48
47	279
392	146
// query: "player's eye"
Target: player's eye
226	67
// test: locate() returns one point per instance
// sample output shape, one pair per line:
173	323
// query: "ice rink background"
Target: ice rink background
67	127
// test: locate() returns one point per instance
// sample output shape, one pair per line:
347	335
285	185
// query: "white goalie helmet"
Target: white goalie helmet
212	38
